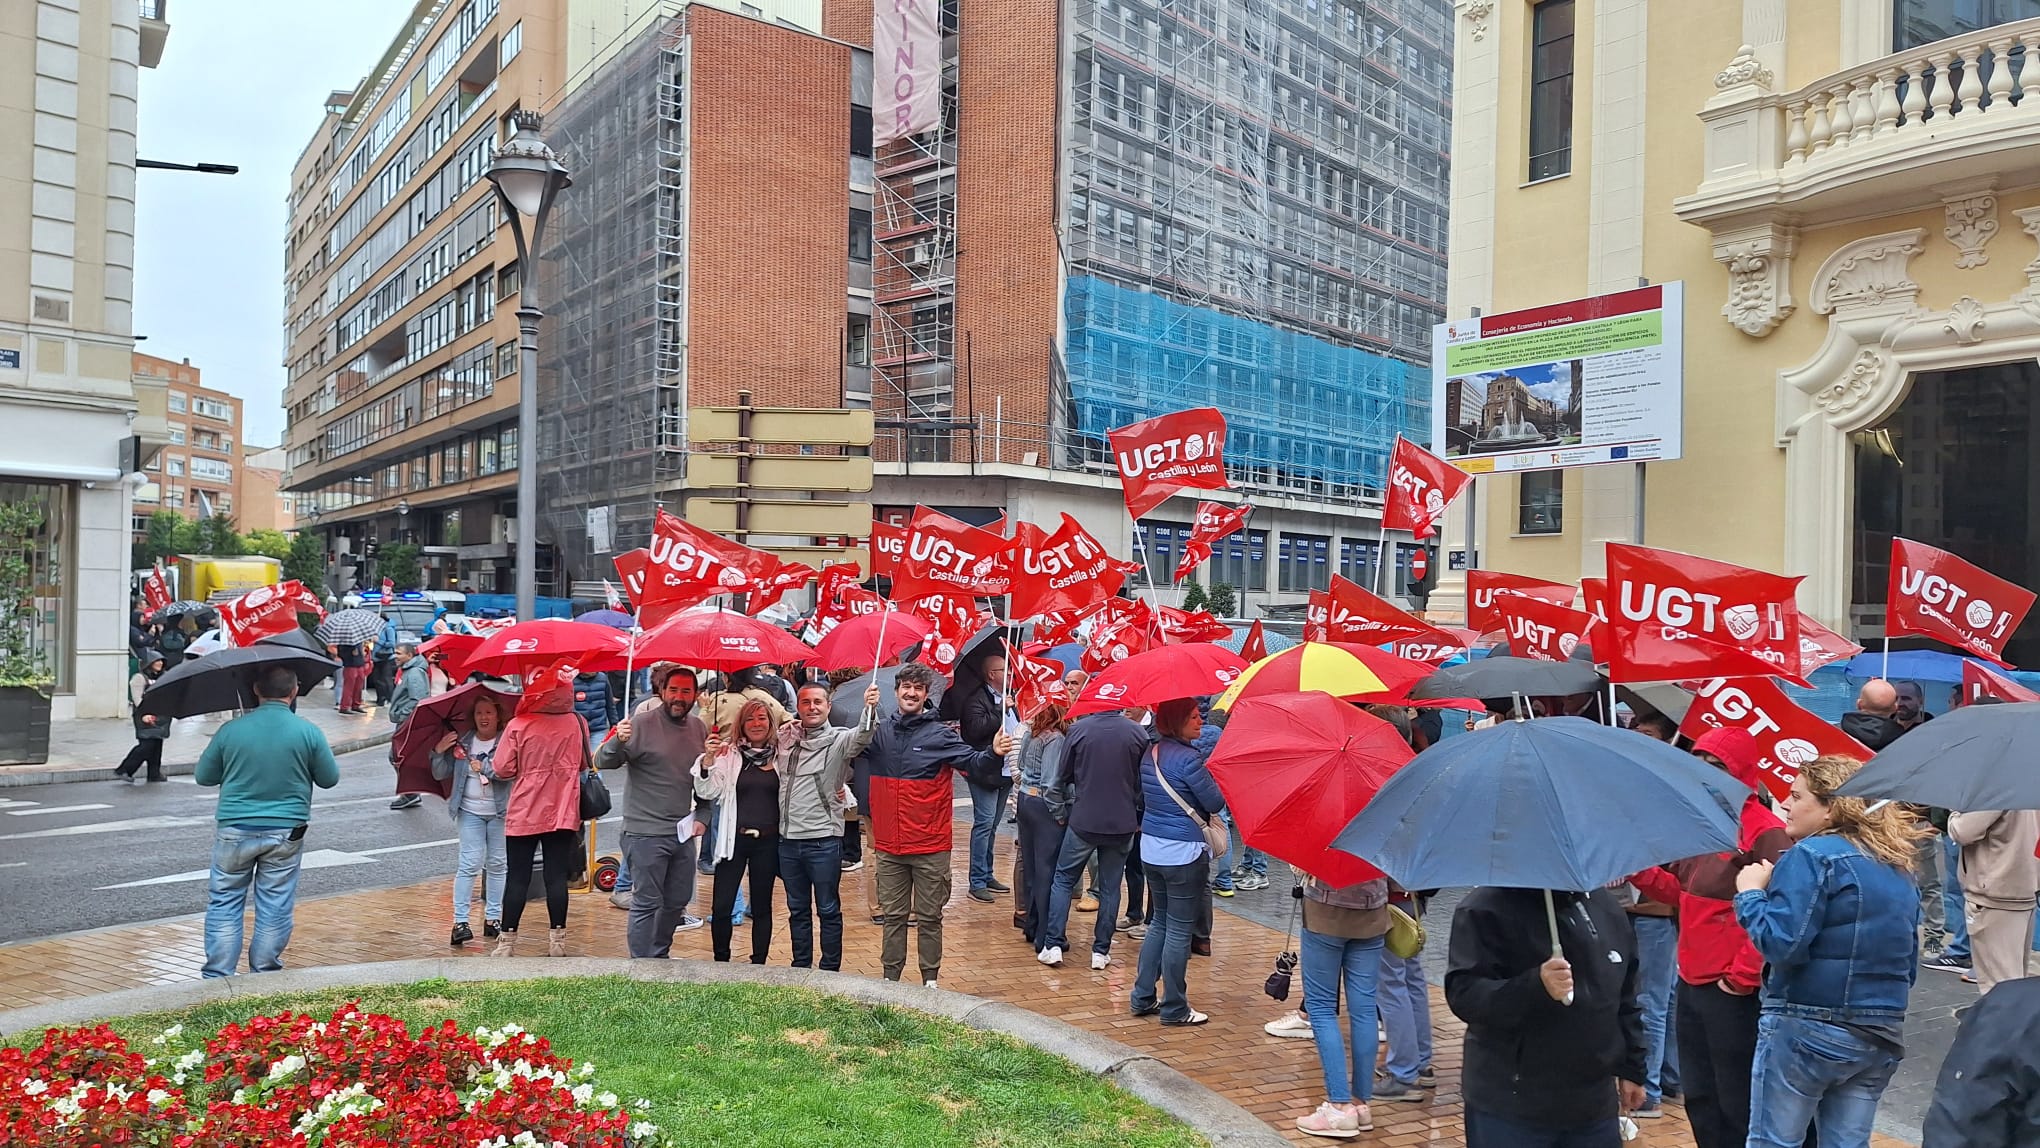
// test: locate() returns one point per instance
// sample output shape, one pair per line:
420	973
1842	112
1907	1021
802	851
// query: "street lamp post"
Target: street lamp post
527	176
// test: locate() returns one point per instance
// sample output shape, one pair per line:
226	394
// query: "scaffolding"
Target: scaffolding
612	365
1257	218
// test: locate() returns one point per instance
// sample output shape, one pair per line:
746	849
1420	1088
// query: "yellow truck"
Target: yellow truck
203	578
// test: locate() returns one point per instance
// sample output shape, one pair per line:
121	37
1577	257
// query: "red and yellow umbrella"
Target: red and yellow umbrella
1340	669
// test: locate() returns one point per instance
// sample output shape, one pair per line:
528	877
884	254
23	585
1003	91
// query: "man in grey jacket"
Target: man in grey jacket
814	767
661	818
414	685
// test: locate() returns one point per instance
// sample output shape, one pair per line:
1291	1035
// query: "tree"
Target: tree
1223	600
306	561
268	543
160	540
21	663
399	562
217	537
188	538
1194	597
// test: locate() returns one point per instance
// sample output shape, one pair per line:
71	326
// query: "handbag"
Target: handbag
595	799
1405	934
1217	837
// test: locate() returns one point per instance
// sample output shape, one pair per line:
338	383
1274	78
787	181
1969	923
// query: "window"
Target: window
1357	557
507	282
1551	89
859	349
1917	22
212	409
1161	544
212	470
174	467
506	360
177	432
1239	560
860	235
1304	562
176	403
513	43
1540	502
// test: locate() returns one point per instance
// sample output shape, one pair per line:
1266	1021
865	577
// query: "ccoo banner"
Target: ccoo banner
906	56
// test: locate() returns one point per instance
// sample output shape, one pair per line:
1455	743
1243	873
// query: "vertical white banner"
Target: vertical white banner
906	89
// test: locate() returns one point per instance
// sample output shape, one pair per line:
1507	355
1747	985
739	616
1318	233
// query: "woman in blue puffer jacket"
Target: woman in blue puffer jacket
1174	858
591	701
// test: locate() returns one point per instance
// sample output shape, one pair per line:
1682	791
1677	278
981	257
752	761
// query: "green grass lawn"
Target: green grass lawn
753	1065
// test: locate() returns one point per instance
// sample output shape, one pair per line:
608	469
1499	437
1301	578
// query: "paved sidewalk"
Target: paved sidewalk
88	749
1277	1080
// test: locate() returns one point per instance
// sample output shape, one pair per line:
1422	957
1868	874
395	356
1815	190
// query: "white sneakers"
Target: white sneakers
1335	1122
1290	1026
928	984
1051	956
1099	961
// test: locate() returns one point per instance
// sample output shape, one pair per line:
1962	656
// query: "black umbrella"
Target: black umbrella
1500	677
226	680
199	612
295	639
1975	757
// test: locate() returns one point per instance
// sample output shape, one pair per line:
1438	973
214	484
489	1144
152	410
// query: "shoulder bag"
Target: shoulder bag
595	800
1405	933
1217	837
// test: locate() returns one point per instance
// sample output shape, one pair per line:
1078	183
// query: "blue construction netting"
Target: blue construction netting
1299	408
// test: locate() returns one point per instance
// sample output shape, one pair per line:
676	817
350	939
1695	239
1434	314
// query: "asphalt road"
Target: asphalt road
84	855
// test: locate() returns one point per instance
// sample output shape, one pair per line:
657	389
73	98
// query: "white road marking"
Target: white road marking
110	827
9	803
57	809
385	799
316	859
13	864
406	848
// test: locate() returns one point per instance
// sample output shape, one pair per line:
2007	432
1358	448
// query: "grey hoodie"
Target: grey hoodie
414	685
813	770
660	755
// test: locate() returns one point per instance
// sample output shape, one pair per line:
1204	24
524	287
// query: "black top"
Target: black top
758	793
1101	762
350	655
1989	1091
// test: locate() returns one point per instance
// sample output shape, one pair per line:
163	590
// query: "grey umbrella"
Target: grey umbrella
1499	677
1975	757
350	627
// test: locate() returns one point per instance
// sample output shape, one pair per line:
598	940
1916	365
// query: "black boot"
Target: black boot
462	935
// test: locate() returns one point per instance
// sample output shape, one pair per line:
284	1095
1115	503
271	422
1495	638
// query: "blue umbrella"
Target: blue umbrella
615	619
1557	803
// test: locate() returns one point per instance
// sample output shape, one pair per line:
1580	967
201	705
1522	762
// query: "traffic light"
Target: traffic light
1422	575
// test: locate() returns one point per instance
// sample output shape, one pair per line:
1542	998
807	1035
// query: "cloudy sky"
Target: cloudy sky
242	82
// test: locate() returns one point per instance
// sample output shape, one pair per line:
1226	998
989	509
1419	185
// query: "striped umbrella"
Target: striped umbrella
1341	669
350	627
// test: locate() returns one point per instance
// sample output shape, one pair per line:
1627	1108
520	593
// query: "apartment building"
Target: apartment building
261	503
198	472
78	423
400	283
1846	188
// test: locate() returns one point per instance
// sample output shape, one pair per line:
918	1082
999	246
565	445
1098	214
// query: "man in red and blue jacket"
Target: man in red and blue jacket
909	789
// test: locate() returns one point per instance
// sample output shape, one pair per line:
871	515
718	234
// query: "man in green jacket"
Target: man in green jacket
265	764
414	685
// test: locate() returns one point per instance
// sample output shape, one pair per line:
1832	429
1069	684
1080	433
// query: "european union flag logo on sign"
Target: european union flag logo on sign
1616	452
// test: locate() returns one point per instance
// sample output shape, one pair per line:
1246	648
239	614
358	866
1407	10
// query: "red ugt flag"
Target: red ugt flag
1179	627
1159	456
1037	683
1420	486
1537	629
1254	646
1982	682
1932	592
887	544
1053	573
1349	613
264	611
156	589
1214	521
687	565
1673	616
1819	646
1483	587
1789	736
945	556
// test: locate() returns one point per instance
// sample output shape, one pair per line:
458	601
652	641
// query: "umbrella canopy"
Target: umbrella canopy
527	646
210	642
1975	757
1664	697
1276	642
1340	669
614	619
719	641
350	627
450	712
225	680
293	639
1295	768
199	613
1159	675
846	703
856	642
1557	803
1500	677
456	648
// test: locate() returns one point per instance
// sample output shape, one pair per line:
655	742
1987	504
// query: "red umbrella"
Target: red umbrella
457	649
1296	768
1159	675
529	645
855	643
452	711
719	641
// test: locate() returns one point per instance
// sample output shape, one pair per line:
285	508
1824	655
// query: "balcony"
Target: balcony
155	30
1906	131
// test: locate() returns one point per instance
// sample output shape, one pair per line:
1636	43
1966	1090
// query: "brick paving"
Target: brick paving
1277	1080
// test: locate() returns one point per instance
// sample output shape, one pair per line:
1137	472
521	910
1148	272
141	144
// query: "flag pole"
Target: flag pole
1886	672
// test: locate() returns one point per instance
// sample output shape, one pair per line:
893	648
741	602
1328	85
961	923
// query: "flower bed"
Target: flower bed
441	1063
355	1080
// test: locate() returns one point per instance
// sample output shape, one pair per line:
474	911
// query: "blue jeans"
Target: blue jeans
813	873
987	806
1252	861
622	870
1221	875
1404	1000
1809	1068
1956	925
1332	964
265	860
1174	894
1077	851
1657	970
482	855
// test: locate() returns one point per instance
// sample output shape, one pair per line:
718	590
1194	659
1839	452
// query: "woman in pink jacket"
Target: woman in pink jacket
543	751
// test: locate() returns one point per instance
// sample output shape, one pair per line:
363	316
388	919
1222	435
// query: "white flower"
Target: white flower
36	1087
643	1130
586	1070
158	1096
169	1034
286	1066
641	1104
606	1099
582	1093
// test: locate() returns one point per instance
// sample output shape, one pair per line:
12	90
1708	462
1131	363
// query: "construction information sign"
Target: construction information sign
1575	384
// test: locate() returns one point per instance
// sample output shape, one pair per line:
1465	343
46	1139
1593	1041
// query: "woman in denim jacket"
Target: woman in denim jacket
476	804
1837	922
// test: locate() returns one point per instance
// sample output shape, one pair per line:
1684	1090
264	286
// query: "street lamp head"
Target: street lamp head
403	507
525	170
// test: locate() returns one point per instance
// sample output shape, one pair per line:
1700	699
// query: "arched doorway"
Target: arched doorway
1953	466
